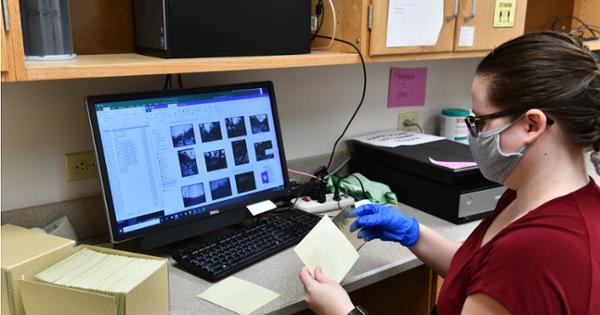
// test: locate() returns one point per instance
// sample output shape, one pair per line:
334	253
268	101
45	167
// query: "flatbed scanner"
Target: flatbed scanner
456	195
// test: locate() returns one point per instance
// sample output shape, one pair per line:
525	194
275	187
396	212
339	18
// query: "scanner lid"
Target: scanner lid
415	159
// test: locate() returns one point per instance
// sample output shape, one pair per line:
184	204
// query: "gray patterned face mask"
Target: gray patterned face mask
494	164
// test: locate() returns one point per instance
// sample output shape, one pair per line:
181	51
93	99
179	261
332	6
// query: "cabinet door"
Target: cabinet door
8	73
485	35
13	55
379	32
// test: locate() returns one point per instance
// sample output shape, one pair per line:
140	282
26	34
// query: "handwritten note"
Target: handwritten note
407	87
414	22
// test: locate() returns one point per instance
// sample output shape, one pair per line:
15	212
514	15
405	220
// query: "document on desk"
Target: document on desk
395	138
414	22
238	295
327	247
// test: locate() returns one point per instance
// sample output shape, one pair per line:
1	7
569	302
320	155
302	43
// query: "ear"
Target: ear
536	124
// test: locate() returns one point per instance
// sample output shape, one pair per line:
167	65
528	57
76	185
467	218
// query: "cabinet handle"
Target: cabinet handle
5	16
473	11
455	13
370	17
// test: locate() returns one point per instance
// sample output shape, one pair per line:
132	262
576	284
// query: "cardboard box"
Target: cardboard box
24	253
150	297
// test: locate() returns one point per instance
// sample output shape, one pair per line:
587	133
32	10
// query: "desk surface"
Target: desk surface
378	260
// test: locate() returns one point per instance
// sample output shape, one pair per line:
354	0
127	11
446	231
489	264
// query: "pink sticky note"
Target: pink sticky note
453	165
407	87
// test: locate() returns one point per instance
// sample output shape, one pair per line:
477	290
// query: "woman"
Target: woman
536	107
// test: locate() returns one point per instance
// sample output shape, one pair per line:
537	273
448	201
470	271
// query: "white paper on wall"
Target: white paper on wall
414	22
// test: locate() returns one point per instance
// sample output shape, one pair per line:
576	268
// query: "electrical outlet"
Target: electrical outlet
408	116
80	166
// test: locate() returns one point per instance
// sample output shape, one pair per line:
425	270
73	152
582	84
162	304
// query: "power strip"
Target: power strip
313	206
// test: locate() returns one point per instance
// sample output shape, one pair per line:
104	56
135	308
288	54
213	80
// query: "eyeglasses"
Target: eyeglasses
476	123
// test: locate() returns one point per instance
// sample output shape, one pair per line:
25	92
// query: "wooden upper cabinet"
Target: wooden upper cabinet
485	35
8	73
13	57
378	45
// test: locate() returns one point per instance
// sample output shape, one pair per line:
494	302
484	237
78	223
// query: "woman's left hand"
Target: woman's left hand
324	296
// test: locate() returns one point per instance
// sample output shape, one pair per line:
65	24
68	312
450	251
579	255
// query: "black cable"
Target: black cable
320	11
300	193
362	187
578	31
362	98
167	80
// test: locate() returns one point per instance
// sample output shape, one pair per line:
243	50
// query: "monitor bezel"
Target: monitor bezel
228	215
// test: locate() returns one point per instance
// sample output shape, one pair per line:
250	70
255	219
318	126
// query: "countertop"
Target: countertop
378	260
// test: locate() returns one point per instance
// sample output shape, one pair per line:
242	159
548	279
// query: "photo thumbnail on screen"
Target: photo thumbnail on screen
183	135
210	131
236	126
220	188
193	194
264	150
245	182
259	123
215	160
187	162
240	152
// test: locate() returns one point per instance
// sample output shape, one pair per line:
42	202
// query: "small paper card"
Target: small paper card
453	165
260	207
327	247
238	295
466	36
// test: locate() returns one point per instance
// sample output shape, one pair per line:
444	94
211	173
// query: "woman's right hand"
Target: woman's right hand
385	223
323	295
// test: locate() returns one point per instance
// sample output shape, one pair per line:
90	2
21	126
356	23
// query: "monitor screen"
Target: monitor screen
180	155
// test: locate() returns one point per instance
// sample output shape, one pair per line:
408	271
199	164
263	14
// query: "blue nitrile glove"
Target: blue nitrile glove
387	224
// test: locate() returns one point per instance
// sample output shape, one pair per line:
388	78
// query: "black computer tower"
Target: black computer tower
202	28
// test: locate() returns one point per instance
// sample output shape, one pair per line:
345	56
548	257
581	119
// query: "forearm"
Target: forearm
434	250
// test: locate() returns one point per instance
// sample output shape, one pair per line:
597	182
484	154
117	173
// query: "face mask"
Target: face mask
494	164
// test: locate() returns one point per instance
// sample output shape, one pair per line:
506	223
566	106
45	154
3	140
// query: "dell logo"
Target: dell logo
213	212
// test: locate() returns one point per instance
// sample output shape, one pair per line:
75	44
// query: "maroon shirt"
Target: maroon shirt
546	262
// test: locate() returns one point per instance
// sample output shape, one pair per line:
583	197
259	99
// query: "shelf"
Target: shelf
593	45
117	65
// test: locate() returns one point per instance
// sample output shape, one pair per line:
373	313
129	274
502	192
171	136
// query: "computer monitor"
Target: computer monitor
177	163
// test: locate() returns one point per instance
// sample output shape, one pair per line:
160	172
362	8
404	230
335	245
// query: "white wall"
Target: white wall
43	120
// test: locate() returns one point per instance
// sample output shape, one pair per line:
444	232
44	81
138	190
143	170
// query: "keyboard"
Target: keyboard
217	258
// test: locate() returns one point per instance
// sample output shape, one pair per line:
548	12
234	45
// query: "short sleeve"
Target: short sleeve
528	270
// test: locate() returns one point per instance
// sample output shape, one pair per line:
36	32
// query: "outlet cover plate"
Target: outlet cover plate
413	116
80	166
